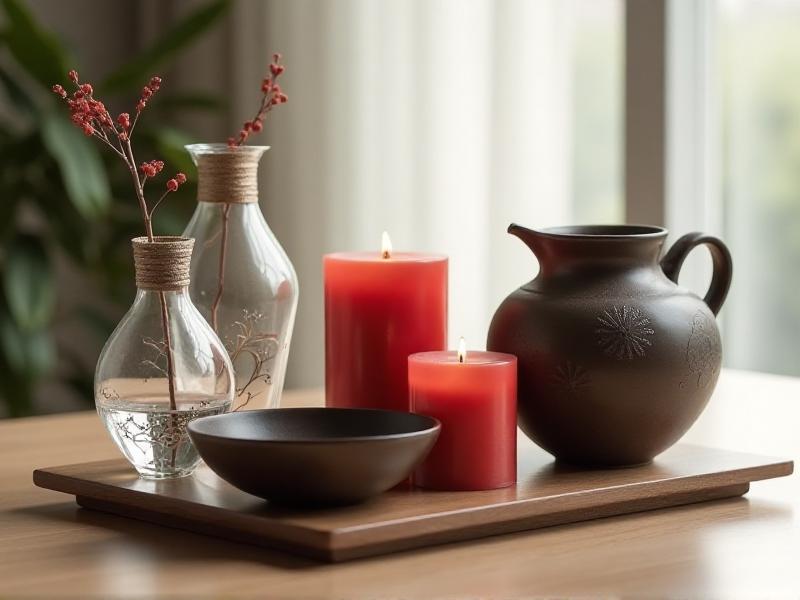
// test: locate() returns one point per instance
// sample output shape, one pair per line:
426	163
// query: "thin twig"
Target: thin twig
110	145
133	125
153	209
168	343
139	192
94	119
173	405
226	209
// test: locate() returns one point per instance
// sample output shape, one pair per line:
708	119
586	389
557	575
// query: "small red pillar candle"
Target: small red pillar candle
379	308
474	395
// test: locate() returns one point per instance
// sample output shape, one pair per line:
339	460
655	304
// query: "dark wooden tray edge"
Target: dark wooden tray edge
348	543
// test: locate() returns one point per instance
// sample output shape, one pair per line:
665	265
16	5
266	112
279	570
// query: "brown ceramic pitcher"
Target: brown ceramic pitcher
616	361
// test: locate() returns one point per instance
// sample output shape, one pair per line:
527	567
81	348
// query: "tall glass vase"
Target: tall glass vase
162	367
242	281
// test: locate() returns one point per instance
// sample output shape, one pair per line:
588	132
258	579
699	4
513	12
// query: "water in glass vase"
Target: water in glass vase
162	367
153	437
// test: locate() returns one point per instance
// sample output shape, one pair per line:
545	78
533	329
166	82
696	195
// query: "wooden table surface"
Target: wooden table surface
743	547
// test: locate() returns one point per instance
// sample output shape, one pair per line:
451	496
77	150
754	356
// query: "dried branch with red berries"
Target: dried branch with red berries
272	95
92	117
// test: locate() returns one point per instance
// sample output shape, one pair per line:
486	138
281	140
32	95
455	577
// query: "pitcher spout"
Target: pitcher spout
591	247
528	236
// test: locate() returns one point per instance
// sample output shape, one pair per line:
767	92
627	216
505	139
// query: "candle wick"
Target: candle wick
462	350
386	246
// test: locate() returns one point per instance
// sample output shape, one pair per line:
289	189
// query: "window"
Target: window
734	162
759	108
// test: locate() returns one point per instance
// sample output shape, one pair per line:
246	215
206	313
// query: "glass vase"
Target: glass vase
162	367
242	281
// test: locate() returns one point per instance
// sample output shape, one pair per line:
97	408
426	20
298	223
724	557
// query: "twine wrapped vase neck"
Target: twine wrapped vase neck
225	174
163	264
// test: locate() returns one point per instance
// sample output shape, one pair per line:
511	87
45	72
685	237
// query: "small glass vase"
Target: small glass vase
242	281
162	367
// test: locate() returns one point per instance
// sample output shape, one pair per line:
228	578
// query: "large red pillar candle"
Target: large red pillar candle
476	402
379	308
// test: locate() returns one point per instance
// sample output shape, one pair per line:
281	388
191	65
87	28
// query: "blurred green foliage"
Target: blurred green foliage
62	195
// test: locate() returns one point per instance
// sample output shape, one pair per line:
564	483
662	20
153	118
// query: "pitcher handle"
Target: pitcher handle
720	256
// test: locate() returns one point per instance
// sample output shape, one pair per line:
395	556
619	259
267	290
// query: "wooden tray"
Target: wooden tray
547	494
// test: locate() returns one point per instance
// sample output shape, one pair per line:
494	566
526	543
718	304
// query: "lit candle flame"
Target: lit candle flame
462	350
386	245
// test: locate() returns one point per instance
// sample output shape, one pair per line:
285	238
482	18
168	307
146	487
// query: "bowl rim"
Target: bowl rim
434	427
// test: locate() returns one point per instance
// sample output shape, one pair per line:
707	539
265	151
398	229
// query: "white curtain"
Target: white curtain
438	121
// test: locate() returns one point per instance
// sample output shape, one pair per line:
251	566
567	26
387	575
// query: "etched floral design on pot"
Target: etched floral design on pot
624	332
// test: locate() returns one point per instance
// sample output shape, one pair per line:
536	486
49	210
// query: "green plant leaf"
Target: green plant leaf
17	154
134	73
96	322
16	392
81	168
20	150
30	354
16	94
28	282
78	377
38	51
64	221
8	209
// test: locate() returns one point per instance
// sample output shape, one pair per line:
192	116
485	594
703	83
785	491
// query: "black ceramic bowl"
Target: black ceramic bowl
314	456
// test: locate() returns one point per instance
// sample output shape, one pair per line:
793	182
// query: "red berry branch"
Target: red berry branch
92	117
271	96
